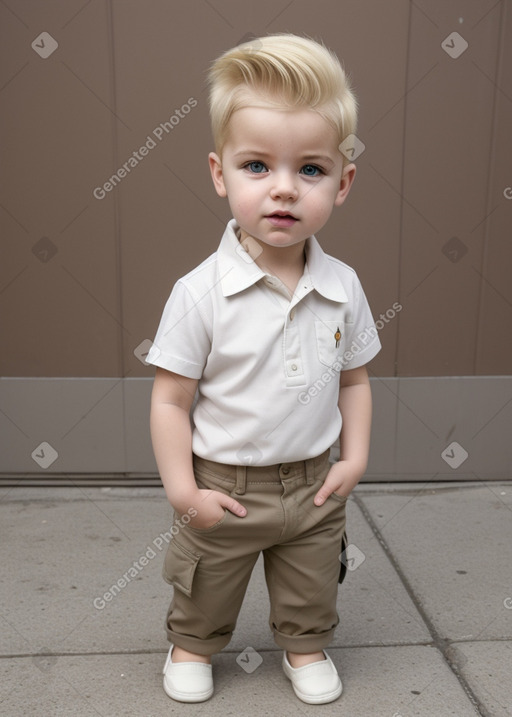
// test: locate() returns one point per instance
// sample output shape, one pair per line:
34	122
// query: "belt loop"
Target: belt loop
241	480
310	471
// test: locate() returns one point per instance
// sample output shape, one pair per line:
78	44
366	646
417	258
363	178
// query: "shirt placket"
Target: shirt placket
293	360
292	353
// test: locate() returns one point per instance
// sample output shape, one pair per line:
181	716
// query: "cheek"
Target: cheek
243	202
241	209
321	197
239	192
320	207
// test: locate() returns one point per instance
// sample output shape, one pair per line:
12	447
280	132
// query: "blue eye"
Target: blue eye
311	170
256	167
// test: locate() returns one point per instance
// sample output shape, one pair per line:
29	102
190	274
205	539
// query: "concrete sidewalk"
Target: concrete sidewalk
425	610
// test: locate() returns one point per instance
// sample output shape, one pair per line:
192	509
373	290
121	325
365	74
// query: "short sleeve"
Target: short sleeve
362	336
182	342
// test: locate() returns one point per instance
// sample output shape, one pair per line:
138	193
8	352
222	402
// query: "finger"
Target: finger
324	492
232	505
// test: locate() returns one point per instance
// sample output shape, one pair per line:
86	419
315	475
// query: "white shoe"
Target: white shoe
316	683
187	681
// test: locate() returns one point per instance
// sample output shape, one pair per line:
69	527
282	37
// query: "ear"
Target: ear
217	175
347	178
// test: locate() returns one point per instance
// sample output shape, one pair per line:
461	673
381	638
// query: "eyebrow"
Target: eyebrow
250	151
318	157
304	158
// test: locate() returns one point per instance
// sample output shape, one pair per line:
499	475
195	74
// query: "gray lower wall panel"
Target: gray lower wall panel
423	429
447	428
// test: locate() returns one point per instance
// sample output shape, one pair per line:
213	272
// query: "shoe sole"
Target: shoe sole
320	699
186	696
314	699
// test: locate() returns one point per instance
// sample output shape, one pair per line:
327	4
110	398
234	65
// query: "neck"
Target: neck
286	263
281	260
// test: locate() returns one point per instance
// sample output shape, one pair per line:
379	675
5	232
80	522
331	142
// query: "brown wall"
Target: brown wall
428	224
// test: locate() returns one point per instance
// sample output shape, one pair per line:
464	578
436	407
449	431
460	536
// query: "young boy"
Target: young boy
274	336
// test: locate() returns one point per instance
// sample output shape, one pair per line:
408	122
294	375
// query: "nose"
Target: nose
284	186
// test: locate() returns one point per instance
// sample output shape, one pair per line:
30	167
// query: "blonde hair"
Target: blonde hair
285	71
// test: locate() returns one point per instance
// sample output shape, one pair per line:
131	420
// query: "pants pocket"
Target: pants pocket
340	498
180	566
209	481
205	479
333	496
212	528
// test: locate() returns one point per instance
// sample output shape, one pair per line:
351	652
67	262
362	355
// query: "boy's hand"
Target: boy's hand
210	506
343	476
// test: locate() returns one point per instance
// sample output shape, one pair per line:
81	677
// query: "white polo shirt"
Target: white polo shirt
268	363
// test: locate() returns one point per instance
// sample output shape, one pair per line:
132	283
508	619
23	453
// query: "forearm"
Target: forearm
171	436
355	403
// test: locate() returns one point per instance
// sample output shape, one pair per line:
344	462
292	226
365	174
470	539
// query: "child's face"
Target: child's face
282	172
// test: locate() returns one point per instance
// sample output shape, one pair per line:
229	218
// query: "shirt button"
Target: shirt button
293	367
285	470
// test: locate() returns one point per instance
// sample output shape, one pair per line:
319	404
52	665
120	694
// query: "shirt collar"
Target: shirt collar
238	271
236	268
321	272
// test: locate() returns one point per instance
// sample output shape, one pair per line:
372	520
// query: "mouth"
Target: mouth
281	219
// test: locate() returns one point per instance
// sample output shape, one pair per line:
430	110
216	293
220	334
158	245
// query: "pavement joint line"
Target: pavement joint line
157	492
268	650
434	488
443	645
233	651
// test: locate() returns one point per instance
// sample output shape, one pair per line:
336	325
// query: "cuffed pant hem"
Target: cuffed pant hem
304	643
209	646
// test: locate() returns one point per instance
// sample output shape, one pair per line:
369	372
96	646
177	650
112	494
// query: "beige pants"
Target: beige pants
210	569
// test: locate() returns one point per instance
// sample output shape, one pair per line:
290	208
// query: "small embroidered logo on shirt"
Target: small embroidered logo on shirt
337	336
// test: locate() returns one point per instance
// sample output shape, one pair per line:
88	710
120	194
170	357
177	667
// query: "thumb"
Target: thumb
324	492
232	505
